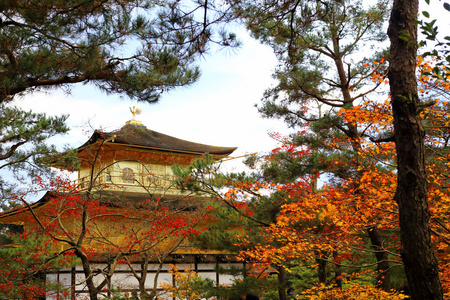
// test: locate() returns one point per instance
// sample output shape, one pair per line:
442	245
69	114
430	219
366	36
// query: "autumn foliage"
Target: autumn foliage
23	268
320	217
92	226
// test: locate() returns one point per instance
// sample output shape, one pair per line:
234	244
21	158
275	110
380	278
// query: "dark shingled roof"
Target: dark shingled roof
140	136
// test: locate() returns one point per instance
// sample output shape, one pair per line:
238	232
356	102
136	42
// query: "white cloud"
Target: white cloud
217	110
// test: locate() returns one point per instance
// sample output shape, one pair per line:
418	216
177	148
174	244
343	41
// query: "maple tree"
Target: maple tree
24	153
355	292
324	226
246	220
372	197
230	217
187	285
308	56
190	285
99	227
314	43
286	219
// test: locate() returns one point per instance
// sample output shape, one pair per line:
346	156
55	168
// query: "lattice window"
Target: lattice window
156	174
127	175
155	169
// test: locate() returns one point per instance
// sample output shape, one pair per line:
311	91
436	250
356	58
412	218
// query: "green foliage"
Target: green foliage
319	46
23	148
236	217
23	267
302	278
323	49
116	295
240	286
134	48
252	285
7	231
437	46
224	234
200	169
204	285
204	176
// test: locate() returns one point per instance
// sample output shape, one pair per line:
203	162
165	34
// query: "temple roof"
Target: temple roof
140	136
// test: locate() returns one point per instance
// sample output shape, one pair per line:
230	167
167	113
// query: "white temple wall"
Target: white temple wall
124	281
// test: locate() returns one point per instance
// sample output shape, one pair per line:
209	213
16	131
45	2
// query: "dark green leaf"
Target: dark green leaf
436	70
447	6
404	36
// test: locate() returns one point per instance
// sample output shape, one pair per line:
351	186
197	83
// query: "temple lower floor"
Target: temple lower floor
125	282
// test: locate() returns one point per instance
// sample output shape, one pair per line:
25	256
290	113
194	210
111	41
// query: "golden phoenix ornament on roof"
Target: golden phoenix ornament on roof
135	111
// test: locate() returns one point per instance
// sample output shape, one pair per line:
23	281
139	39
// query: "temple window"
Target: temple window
108	175
127	175
155	174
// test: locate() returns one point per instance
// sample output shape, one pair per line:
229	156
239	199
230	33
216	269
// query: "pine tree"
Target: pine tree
23	148
137	49
134	48
421	266
320	45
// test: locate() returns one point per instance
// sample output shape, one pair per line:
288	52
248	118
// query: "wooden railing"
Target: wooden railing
119	179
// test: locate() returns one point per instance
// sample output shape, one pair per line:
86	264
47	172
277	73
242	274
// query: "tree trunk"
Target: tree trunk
420	263
93	291
337	272
153	293
384	274
321	260
281	283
